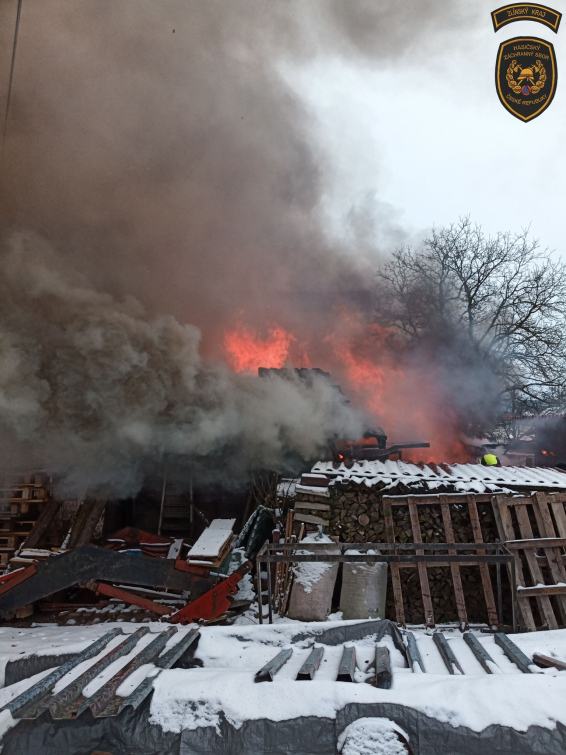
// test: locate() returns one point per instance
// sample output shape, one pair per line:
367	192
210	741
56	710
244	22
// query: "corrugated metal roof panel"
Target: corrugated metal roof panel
461	477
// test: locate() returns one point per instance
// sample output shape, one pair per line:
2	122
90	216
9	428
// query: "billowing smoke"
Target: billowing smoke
158	176
93	388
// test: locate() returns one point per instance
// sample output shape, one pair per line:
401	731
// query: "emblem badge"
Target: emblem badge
526	12
526	76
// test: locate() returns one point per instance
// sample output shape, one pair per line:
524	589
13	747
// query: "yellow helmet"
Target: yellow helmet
489	460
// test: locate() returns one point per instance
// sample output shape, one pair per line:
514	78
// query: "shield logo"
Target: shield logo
526	76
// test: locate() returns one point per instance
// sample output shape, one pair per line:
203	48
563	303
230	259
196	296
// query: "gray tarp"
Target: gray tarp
132	734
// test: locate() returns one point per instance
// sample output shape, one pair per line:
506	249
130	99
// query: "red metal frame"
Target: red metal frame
215	602
14	578
128	597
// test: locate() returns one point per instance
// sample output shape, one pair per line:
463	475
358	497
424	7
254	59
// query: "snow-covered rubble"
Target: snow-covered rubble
231	655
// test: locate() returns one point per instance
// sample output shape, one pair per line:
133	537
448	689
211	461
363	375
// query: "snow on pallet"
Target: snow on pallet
214	542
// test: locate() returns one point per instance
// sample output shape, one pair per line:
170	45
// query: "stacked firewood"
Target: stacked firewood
355	515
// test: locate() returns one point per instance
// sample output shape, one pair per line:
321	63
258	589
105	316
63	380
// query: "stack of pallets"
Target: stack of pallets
22	496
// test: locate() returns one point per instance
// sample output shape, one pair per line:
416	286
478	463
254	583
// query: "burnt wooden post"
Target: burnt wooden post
347	668
413	652
383	673
309	667
267	673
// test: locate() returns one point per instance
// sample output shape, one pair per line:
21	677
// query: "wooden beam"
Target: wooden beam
454	568
383	673
395	575
347	668
492	616
547	662
267	673
413	653
423	575
310	666
46	516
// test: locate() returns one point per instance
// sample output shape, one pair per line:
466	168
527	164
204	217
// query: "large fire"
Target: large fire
246	350
404	402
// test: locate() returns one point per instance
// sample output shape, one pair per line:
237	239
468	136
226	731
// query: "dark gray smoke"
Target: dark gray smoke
154	148
93	387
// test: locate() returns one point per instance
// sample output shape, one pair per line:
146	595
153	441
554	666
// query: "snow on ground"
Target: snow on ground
231	655
372	736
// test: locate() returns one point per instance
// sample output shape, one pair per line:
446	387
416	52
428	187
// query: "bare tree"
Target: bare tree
500	298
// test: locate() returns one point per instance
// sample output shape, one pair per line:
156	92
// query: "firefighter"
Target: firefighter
489	460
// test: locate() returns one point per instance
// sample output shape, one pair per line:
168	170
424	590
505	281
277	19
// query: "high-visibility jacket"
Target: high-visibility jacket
489	460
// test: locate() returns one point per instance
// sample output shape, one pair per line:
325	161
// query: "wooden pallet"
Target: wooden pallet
22	498
444	501
540	554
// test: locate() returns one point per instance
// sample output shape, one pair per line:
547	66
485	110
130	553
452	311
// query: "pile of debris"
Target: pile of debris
130	575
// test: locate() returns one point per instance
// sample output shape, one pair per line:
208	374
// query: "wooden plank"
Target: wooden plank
484	568
506	532
447	654
480	653
308	519
395	575
454	568
414	654
557	505
347	668
383	673
310	666
514	653
553	553
313	506
46	516
431	500
547	662
423	575
267	673
535	592
545	606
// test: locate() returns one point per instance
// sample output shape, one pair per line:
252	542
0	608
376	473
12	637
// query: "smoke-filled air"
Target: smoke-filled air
162	237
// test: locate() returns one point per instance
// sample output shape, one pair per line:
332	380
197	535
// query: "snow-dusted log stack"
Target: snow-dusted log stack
352	512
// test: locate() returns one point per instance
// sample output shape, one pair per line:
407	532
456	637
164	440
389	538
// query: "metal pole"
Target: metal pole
269	607
514	597
11	79
162	499
191	510
499	591
259	595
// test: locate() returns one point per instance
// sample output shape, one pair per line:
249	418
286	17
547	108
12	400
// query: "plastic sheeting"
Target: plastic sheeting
131	733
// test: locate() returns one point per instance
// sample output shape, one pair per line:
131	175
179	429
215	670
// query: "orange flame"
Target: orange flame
405	402
247	351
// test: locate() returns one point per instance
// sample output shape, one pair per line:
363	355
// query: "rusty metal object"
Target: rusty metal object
128	597
103	701
63	700
38	690
216	601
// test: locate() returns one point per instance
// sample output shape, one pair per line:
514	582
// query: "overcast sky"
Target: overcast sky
427	137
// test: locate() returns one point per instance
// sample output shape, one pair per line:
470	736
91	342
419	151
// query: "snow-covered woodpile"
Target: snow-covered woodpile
348	501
